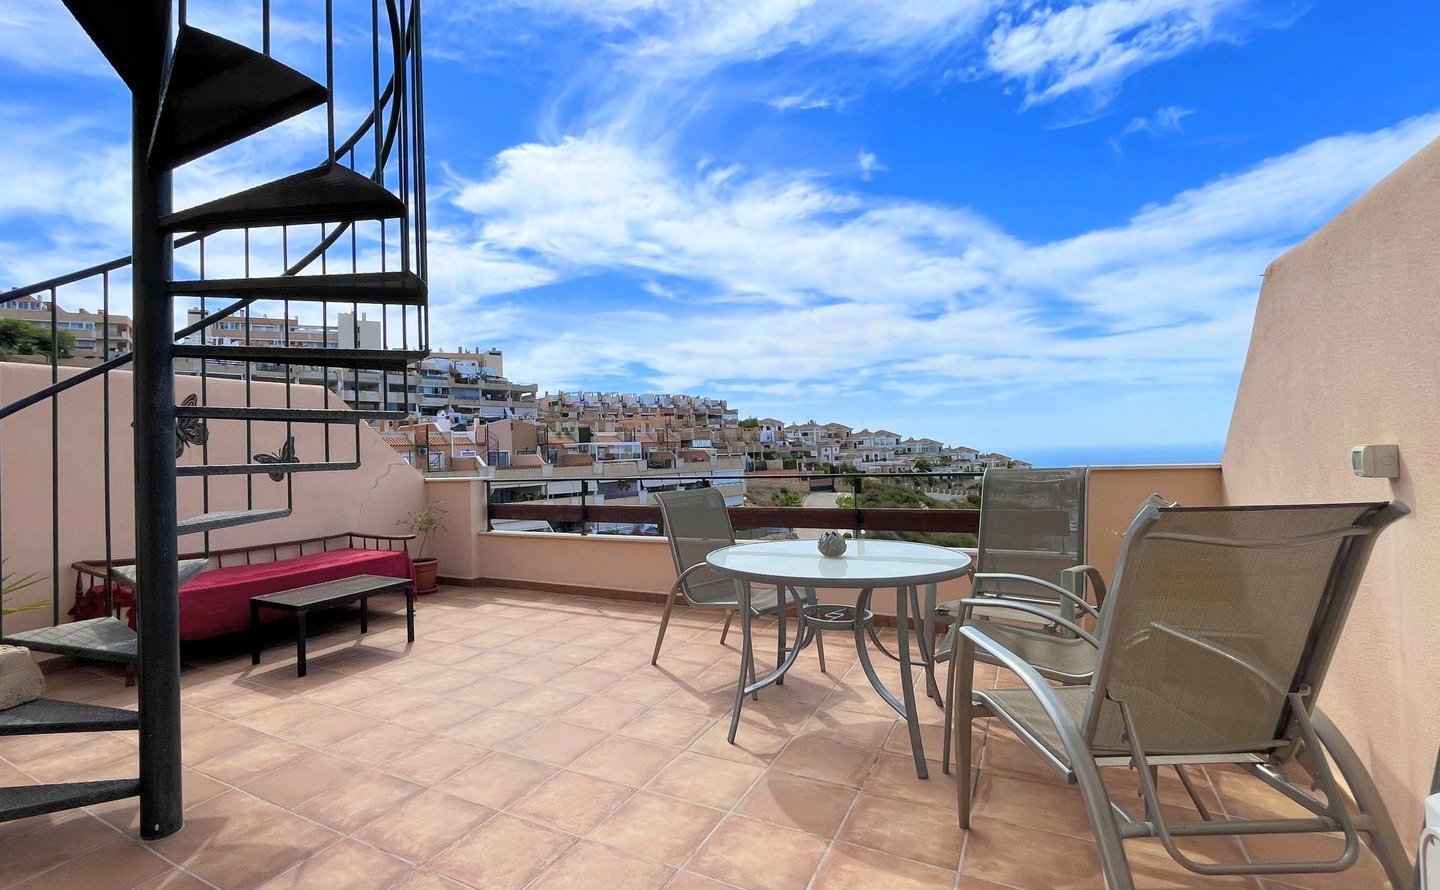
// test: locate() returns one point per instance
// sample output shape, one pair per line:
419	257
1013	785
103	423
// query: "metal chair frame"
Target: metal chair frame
1304	734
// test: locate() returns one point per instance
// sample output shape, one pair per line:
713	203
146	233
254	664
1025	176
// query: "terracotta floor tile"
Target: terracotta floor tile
657	827
605	713
623	760
555	743
925	834
587	679
1047	861
543	701
118	865
796	802
496	781
505	853
588	865
215	821
359	799
572	802
255	759
686	880
847	867
825	760
441	714
758	855
216	741
709	781
1043	805
298	781
174	880
326	729
66	836
378	745
349	865
893	775
435	760
492	728
253	857
425	879
850	728
423	825
666	726
758	745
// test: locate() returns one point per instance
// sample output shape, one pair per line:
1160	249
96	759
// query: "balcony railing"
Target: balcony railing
579	506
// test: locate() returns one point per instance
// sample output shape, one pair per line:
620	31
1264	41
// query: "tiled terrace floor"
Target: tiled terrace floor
525	741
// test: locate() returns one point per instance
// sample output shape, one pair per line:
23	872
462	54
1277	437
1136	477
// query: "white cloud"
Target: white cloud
1165	120
792	281
1094	46
869	164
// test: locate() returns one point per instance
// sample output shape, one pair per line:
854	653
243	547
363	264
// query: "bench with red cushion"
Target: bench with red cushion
217	601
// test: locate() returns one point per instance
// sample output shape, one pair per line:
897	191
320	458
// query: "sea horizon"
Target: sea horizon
1125	454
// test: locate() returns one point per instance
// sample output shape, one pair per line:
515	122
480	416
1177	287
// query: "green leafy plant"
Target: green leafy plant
423	523
19	337
10	583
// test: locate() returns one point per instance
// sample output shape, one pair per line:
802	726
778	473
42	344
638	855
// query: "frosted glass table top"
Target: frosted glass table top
865	563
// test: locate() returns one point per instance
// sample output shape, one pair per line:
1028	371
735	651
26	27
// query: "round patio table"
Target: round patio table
865	566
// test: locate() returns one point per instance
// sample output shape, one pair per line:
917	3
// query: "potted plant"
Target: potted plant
423	523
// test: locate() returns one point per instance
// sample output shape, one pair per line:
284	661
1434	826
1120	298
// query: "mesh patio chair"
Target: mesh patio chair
697	523
1031	548
1212	648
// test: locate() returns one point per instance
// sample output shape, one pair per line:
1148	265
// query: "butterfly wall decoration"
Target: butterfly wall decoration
285	455
189	430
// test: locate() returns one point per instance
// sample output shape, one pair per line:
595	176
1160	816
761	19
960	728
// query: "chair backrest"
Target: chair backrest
697	523
1217	614
1032	522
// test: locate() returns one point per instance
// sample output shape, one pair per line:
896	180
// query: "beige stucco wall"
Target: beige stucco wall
1346	350
644	565
369	499
1117	492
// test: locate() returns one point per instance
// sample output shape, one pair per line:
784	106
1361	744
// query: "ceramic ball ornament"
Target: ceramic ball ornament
831	544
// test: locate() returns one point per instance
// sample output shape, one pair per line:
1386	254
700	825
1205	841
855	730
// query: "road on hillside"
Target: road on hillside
822	499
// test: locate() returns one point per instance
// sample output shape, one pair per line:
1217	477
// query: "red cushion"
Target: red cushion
217	601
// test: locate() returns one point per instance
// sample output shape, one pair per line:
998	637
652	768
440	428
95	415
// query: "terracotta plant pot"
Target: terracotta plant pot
425	575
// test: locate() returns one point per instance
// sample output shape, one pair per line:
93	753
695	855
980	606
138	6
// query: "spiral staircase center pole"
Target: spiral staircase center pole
154	379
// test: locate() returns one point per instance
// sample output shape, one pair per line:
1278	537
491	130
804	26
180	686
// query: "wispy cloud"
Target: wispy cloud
799	281
1092	47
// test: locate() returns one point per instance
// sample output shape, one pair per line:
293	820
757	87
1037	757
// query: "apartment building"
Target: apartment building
465	386
97	336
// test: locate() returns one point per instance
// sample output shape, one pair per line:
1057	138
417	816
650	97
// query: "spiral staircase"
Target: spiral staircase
194	93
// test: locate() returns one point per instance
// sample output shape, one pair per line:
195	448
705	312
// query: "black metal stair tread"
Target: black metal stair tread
330	193
185	569
114	28
385	288
314	356
218	92
47	715
103	639
218	519
254	469
291	415
22	801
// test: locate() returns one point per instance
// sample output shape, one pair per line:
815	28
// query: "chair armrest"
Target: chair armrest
1092	575
997	603
1064	594
971	638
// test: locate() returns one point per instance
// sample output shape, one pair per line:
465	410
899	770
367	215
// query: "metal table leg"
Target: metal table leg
904	708
300	642
743	689
410	612
254	632
364	614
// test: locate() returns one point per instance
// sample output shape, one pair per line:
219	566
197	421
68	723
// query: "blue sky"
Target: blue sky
1016	225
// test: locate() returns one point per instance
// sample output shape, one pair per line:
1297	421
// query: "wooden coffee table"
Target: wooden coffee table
326	595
